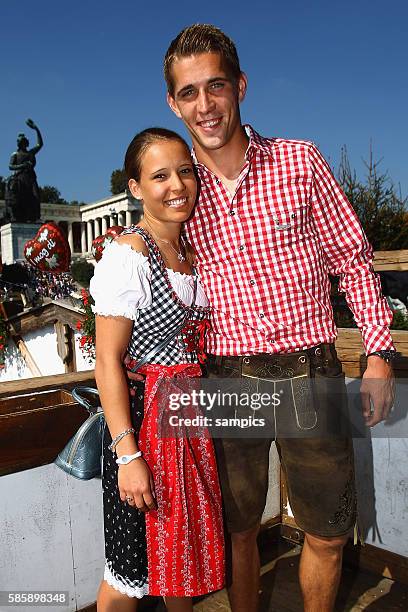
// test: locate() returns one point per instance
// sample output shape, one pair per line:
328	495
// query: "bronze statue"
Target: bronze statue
22	192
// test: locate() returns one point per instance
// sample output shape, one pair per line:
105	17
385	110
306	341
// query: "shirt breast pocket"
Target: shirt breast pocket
289	226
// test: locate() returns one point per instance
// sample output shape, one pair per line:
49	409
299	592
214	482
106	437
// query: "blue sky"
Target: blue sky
90	74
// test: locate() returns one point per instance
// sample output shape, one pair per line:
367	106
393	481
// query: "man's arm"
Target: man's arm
349	256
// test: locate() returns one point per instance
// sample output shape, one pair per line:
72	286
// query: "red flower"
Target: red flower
79	325
1	346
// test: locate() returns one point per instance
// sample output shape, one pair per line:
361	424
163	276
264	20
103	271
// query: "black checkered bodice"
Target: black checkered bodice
166	312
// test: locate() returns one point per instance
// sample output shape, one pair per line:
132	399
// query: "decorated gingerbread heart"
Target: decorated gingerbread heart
49	250
99	244
114	231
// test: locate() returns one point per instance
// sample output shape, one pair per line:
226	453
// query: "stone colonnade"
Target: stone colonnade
93	228
82	223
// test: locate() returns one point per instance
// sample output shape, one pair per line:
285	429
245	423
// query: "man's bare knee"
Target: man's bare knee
326	546
245	539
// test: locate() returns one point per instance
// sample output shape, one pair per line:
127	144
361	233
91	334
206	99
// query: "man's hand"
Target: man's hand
377	390
131	375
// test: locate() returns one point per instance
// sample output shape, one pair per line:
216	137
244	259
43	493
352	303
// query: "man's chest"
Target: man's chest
270	208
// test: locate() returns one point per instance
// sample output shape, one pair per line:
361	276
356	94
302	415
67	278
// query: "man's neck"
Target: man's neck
227	161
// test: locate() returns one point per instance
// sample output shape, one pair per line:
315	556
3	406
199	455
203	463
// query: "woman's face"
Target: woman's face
167	182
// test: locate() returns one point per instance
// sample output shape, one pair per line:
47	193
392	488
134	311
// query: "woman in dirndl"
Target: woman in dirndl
162	502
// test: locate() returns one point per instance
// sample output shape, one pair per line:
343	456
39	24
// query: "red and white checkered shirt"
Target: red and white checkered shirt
264	254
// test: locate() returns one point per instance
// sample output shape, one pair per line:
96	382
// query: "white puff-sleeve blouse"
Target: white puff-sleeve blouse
120	285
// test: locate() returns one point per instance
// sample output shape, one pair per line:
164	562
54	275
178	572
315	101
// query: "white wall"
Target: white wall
382	479
272	508
15	365
52	534
382	473
42	345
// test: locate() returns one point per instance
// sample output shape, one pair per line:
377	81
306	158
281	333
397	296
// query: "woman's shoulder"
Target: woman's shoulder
121	282
134	240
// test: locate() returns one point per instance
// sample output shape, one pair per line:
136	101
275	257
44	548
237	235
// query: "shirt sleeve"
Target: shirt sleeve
349	255
120	285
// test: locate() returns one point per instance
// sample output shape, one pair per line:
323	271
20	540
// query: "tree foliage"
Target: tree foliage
51	195
82	272
118	181
381	210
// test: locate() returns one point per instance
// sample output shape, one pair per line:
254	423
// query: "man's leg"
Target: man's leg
244	590
243	471
320	571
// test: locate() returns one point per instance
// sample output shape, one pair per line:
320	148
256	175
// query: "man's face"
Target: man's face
207	99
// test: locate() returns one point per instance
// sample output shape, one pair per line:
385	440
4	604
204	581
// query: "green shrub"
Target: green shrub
82	271
399	321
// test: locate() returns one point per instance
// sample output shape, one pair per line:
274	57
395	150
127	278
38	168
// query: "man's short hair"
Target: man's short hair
201	38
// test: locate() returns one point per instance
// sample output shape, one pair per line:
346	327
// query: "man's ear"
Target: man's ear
135	189
242	86
172	103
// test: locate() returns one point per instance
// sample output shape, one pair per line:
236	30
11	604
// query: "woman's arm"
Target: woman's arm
112	337
40	142
15	167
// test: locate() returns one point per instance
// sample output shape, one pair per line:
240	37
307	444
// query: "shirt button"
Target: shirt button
252	282
241	247
261	315
232	212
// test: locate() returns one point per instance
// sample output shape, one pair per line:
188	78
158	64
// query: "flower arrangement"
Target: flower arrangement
87	327
3	341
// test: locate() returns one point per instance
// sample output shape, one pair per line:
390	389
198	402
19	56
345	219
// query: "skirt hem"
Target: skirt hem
117	582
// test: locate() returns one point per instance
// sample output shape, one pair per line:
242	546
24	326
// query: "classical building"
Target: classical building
81	224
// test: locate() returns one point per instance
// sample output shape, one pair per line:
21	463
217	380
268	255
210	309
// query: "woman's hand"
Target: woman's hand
135	480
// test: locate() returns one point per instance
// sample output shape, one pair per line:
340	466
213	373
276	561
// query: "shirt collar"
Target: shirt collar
256	142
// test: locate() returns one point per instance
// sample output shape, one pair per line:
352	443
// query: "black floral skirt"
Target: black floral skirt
124	525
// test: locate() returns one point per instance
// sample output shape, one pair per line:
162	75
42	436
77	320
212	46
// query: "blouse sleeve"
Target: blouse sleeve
120	285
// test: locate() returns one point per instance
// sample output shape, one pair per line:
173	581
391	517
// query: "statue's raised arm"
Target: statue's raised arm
40	142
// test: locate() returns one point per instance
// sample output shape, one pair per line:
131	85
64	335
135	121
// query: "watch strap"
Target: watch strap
386	355
125	459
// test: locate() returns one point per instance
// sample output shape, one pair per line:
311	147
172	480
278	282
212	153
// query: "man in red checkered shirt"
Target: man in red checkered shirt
270	225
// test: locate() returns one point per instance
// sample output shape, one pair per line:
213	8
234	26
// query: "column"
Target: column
83	237
104	226
128	218
89	225
70	236
121	218
111	221
97	228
